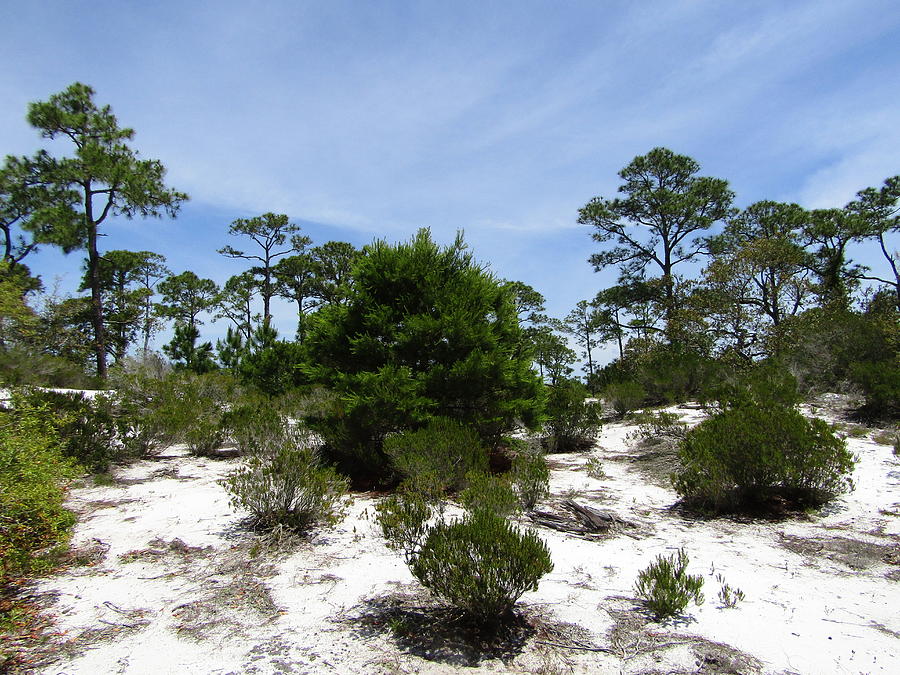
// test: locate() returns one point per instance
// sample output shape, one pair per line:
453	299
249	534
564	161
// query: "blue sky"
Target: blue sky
372	119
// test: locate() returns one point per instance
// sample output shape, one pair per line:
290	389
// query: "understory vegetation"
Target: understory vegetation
415	370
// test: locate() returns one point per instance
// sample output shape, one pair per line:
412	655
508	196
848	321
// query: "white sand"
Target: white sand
802	613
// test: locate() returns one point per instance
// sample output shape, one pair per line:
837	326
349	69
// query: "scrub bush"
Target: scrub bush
744	456
666	586
32	475
87	427
489	493
481	564
283	483
192	409
624	396
530	478
444	450
573	422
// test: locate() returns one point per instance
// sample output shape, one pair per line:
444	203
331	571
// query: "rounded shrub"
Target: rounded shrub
491	493
573	422
744	456
282	482
444	451
481	564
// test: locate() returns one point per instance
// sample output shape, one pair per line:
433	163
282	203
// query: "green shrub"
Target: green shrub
624	396
252	421
404	520
573	422
666	586
192	409
767	383
491	493
746	455
444	450
283	483
32	473
481	564
530	478
143	425
660	424
880	383
88	427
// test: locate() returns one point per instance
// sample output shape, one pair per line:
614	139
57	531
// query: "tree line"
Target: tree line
699	280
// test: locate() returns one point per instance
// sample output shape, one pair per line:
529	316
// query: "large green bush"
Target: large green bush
572	422
443	451
88	427
481	564
425	332
747	455
283	483
32	474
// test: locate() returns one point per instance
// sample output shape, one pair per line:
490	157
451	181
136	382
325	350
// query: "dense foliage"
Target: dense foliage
33	472
424	332
747	455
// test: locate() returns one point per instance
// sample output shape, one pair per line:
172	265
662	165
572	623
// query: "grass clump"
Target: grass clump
666	586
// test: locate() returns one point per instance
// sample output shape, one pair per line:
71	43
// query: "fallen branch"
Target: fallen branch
586	520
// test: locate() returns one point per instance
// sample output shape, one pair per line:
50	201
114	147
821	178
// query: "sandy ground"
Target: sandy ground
169	582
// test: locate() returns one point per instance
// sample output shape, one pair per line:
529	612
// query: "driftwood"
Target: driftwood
583	520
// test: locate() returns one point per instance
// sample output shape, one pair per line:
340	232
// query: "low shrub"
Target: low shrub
192	409
481	564
530	477
404	520
666	586
624	397
283	483
444	450
660	425
490	493
744	456
573	422
32	474
144	424
88	427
